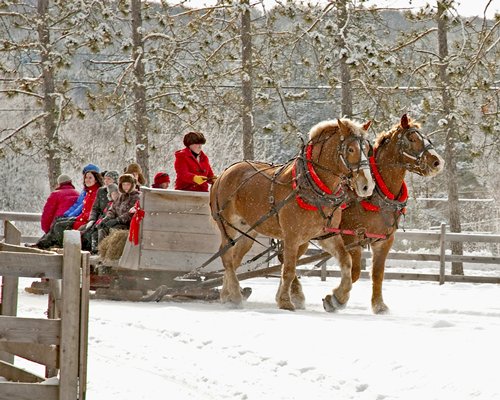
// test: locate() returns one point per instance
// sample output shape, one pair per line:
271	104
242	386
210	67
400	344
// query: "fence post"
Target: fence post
70	316
10	284
442	253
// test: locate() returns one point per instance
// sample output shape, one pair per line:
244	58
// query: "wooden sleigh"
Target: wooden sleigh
176	236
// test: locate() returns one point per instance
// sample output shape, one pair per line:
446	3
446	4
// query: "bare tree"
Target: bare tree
247	81
140	119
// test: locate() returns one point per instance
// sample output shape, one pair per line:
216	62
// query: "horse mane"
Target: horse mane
318	129
383	136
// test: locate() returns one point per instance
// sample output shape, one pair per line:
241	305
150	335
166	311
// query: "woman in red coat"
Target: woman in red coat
192	165
58	201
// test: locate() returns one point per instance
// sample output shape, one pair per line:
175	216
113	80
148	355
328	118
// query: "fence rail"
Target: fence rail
441	238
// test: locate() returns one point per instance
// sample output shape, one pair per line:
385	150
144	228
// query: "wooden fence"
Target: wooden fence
155	222
59	341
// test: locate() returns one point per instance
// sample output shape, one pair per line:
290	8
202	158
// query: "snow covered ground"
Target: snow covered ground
438	342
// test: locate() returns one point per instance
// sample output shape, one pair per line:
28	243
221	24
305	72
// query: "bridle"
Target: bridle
342	149
405	150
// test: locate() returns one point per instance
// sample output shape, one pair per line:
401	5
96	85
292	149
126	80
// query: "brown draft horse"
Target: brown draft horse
251	197
375	219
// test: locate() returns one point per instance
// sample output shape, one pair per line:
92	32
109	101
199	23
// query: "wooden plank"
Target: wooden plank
178	241
175	222
16	374
191	242
30	265
30	330
84	327
39	353
20	216
184	261
176	201
473	259
23	249
472	237
70	316
417	235
28	391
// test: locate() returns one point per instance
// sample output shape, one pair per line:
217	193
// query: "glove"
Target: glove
89	225
212	179
199	179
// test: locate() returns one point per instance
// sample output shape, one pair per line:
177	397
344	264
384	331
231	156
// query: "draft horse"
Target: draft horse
252	197
374	220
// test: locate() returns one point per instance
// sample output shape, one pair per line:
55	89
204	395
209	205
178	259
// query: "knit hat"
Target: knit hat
90	167
126	178
113	175
111	188
63	178
194	138
160	177
134	167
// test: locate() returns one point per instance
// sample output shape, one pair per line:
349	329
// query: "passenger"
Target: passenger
192	165
100	204
161	181
120	215
136	170
112	195
58	202
76	208
54	237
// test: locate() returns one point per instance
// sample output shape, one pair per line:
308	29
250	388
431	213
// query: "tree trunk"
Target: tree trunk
451	131
246	82
49	104
140	120
345	73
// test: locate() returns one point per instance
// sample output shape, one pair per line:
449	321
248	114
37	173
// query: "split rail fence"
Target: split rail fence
60	341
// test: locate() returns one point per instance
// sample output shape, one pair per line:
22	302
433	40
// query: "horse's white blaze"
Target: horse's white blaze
364	187
440	167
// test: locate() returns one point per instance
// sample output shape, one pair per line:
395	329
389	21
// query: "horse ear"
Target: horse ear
344	130
367	124
404	122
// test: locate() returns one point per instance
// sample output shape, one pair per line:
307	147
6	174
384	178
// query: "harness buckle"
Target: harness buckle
271	199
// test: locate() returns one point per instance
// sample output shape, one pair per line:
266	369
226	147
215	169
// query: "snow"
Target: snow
438	342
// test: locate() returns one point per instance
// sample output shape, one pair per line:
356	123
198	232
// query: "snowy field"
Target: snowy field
438	342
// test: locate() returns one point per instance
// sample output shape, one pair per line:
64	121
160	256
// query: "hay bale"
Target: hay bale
111	247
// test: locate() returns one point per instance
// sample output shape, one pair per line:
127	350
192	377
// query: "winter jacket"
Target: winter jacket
88	202
76	208
58	202
120	210
187	166
100	203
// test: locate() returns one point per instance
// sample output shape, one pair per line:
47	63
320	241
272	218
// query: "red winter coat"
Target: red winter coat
88	202
186	166
57	203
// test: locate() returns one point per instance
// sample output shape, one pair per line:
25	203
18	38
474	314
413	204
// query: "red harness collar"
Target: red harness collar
403	194
321	185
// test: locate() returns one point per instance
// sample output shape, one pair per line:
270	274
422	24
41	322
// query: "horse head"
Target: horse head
416	151
343	151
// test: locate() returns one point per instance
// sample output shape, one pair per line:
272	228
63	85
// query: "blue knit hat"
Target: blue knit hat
90	167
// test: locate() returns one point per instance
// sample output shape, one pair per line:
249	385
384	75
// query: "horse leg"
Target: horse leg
338	299
231	259
356	262
283	297
296	294
379	251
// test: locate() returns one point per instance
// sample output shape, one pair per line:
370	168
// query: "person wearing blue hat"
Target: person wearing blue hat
76	209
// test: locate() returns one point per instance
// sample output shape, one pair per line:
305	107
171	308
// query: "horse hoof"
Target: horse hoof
246	292
286	305
380	308
331	304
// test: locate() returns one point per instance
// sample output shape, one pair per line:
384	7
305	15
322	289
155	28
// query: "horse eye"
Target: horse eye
351	150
